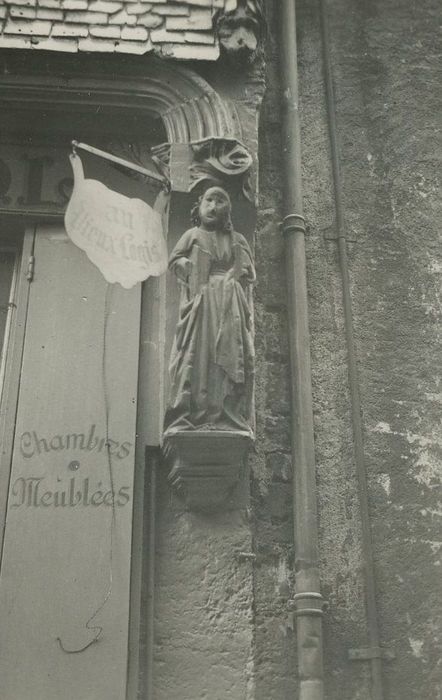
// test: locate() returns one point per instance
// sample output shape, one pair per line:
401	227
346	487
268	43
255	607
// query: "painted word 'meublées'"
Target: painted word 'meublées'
30	492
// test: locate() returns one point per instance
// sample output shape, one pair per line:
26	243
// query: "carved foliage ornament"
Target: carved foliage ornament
242	30
212	161
223	162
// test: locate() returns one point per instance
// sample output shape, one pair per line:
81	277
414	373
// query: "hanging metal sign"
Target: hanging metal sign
122	236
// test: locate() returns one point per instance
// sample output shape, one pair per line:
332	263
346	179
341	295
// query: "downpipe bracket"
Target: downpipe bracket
293	223
308	603
368	653
331	234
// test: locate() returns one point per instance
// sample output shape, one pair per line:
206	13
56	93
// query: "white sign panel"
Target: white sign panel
123	237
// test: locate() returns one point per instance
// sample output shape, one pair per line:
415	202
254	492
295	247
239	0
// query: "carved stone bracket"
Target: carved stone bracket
211	161
223	162
205	465
241	31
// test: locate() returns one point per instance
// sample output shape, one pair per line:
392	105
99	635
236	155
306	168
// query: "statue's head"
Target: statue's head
241	30
214	210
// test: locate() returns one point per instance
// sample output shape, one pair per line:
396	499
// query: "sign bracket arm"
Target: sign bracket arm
121	161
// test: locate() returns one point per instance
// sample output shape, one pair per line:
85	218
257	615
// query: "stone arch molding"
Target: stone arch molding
189	107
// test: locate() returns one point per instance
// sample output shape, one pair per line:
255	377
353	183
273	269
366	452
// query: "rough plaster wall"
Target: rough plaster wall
271	475
203	602
385	69
388	95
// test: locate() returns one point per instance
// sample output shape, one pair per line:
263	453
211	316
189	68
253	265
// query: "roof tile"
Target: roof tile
137	8
86	17
20	11
122	18
176	28
51	44
172	10
105	6
105	32
133	47
27	27
74	4
68	30
15	42
45	13
135	33
25	3
92	44
52	4
149	20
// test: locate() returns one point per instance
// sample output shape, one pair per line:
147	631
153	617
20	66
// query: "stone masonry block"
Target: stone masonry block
28	28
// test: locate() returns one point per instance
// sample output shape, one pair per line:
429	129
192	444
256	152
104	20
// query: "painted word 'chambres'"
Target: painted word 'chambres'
32	444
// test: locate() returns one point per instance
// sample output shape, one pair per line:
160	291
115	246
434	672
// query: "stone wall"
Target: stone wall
385	71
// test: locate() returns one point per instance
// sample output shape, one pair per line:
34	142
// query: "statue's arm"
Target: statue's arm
179	261
247	269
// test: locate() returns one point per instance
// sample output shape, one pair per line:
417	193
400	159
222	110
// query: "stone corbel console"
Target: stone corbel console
211	161
205	465
208	427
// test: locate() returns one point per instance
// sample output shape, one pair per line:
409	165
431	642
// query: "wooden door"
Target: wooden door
65	573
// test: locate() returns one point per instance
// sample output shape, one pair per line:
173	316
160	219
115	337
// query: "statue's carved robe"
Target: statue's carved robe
212	362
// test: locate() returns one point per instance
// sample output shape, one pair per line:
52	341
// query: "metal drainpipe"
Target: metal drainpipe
152	463
375	653
308	599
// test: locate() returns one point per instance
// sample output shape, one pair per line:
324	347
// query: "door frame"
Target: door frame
13	364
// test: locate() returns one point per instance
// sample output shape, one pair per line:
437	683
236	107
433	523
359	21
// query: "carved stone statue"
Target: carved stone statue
241	31
212	362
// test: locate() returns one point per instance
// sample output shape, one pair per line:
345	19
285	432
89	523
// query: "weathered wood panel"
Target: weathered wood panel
67	541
